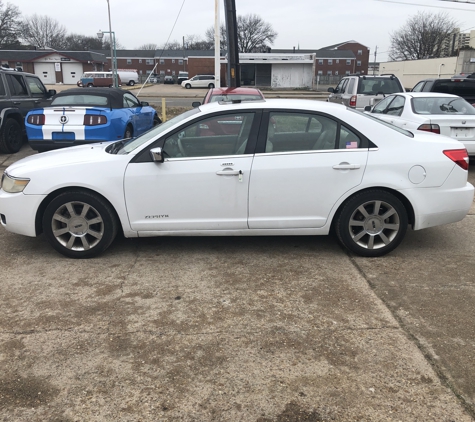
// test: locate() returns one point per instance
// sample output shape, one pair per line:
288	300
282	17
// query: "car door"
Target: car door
38	92
202	183
336	96
19	93
141	118
391	109
307	162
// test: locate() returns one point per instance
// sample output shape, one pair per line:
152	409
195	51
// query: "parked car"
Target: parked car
182	76
19	93
128	76
359	91
199	81
296	167
88	115
168	80
98	79
463	87
231	94
443	114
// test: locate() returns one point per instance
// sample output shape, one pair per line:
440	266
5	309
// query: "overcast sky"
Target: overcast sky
310	24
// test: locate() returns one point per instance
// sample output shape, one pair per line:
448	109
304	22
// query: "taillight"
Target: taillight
430	128
458	156
94	120
36	119
353	101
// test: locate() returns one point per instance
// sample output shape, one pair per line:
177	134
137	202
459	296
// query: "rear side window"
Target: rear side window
461	88
2	87
17	85
373	86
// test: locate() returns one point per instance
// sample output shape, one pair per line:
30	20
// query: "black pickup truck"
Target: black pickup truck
462	86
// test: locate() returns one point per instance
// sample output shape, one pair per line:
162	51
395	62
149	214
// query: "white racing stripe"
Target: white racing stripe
75	122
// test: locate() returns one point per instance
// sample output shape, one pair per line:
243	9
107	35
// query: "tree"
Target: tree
150	46
253	34
43	32
77	42
10	23
423	36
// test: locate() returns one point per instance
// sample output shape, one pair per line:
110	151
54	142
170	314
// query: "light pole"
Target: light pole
442	64
100	34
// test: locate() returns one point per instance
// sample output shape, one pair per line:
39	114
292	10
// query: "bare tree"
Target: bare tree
77	42
423	36
253	34
150	46
43	32
10	22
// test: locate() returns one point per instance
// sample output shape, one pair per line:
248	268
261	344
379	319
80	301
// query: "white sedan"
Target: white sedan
276	167
434	112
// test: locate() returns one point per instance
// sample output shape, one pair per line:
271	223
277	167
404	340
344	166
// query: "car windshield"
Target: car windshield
382	122
127	146
441	105
81	100
235	97
373	86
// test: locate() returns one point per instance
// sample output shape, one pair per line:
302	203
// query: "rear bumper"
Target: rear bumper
42	145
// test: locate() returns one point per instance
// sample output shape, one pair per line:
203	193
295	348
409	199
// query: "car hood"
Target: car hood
60	158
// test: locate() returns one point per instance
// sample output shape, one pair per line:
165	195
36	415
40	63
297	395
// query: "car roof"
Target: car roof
425	94
236	91
115	95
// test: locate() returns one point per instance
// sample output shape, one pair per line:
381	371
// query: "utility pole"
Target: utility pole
375	53
217	46
233	71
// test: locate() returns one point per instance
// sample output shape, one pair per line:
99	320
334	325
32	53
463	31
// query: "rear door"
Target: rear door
20	94
304	163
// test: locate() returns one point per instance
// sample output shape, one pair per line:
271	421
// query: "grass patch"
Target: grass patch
171	111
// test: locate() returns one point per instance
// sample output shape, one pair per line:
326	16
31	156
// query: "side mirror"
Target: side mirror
144	103
331	89
195	104
157	155
368	108
51	92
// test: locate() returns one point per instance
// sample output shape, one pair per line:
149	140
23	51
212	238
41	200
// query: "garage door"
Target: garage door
72	73
46	72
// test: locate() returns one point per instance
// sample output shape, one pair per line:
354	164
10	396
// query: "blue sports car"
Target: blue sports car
87	115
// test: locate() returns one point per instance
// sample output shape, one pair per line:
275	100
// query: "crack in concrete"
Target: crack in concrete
428	356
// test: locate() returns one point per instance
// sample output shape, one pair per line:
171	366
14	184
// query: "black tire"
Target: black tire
76	235
187	86
210	86
11	137
131	83
129	132
90	85
372	223
156	120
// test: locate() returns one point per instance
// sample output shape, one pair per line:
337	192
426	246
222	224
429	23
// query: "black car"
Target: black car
462	86
20	92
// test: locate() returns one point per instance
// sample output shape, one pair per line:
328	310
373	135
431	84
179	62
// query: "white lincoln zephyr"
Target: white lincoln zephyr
275	167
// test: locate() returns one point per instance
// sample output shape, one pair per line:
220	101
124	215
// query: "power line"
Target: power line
426	5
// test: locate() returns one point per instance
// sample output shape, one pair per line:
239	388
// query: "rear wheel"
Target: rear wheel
131	83
11	137
211	86
89	85
79	224
187	86
372	223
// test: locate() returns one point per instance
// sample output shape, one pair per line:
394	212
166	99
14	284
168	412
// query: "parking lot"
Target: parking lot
252	329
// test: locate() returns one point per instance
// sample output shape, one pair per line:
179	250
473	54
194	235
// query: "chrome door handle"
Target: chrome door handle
228	173
346	166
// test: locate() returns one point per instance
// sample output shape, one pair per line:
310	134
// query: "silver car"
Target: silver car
359	91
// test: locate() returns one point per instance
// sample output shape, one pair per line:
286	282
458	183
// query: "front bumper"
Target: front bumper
18	212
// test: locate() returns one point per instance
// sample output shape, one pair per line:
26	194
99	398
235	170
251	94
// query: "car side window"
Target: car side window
348	139
130	101
288	132
17	85
339	88
418	87
225	134
396	107
351	86
380	108
2	87
37	89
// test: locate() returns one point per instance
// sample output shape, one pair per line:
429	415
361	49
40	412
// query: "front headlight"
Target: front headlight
12	184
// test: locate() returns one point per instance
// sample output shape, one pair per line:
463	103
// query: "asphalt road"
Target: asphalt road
252	329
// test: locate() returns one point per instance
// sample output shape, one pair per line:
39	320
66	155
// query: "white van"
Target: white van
128	76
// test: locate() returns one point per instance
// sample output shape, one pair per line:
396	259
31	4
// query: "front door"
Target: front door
203	182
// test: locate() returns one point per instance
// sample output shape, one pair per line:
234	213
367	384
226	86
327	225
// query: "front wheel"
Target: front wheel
128	132
79	224
156	120
372	223
11	137
187	86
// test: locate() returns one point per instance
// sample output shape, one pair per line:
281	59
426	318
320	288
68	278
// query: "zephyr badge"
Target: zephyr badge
63	119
